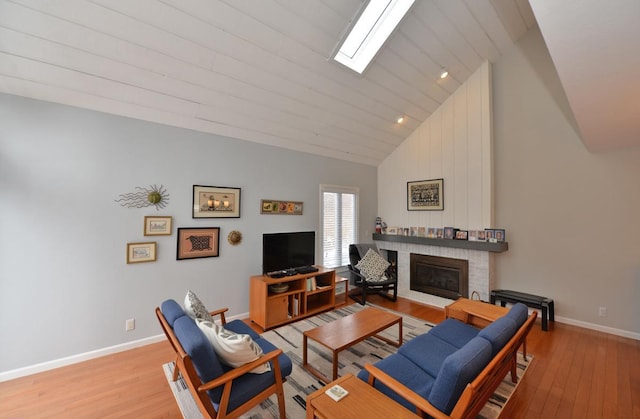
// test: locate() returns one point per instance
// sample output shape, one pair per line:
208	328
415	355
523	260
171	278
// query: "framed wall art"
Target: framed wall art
141	252
271	206
425	195
215	202
194	242
157	226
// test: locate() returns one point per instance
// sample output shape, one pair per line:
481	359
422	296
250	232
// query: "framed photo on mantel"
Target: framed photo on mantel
425	195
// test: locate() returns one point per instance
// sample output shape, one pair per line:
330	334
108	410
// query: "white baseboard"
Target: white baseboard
599	328
74	359
564	320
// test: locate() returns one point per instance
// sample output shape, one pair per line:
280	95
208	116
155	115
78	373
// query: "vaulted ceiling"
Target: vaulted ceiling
255	70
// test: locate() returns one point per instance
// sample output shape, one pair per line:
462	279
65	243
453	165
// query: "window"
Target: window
339	221
373	27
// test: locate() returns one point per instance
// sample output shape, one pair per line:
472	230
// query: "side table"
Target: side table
363	401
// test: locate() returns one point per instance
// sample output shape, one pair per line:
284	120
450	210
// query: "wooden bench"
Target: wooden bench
530	300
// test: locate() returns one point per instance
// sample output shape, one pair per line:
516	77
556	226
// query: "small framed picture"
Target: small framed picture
500	235
439	233
490	235
473	235
157	226
481	235
422	231
431	232
194	242
392	230
449	233
414	231
462	234
270	206
215	202
141	252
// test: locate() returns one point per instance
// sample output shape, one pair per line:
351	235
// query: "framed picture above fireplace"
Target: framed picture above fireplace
425	195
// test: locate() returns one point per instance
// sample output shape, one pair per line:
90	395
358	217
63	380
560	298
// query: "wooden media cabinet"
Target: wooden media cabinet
268	309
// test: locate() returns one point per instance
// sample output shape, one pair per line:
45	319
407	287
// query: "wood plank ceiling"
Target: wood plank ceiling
255	70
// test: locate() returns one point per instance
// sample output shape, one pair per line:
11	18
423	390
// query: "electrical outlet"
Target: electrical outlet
602	312
130	325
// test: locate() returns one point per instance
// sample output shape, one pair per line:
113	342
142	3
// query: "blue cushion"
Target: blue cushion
454	332
459	369
238	326
249	385
198	347
406	372
427	351
285	362
171	311
519	313
498	333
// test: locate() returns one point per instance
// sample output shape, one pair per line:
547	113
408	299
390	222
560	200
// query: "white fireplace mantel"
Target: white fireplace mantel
480	256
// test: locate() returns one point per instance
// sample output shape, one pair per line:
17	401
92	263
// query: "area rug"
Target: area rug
300	383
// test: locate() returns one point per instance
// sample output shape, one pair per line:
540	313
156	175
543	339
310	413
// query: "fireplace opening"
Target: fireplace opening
444	277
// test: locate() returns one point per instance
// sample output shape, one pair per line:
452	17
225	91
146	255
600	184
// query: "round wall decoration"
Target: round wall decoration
234	238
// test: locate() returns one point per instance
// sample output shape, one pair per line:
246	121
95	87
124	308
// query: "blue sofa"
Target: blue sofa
454	368
220	390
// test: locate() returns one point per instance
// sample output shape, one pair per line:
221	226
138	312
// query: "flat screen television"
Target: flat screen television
284	251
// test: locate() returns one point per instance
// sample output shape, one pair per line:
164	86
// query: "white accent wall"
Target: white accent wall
453	144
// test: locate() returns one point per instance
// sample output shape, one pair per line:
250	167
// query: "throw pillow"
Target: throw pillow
233	349
194	307
373	266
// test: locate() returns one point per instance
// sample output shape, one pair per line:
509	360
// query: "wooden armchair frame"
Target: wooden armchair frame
198	389
476	394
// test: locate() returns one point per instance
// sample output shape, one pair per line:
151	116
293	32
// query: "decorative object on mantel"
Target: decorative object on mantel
157	226
194	242
450	233
215	202
425	195
460	244
155	195
378	225
271	206
462	235
234	238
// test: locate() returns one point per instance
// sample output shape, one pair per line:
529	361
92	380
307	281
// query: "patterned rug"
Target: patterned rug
300	383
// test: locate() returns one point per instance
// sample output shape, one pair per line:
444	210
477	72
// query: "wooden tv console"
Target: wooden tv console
269	309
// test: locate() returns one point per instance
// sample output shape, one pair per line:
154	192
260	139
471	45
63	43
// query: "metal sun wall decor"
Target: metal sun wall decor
155	195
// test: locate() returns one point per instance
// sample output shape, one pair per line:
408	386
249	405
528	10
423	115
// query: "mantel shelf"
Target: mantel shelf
460	244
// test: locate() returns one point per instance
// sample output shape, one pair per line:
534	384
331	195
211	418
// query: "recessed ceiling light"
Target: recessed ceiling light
444	73
400	120
374	26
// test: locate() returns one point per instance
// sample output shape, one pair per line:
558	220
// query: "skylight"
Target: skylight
370	32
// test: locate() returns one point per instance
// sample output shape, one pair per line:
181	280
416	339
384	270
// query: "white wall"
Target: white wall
453	144
571	216
65	288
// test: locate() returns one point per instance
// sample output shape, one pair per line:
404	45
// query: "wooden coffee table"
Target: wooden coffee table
347	331
363	401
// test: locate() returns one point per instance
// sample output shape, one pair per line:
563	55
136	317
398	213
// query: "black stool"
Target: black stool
530	300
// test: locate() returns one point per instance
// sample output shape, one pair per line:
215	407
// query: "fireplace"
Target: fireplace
441	276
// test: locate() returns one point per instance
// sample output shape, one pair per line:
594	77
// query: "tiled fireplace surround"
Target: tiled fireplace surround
480	269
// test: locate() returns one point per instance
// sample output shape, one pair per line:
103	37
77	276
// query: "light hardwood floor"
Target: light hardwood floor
576	373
